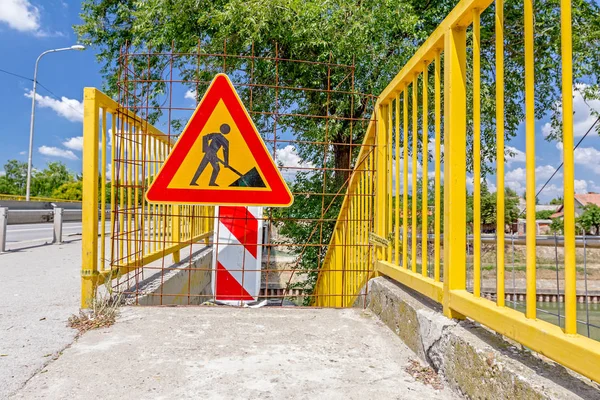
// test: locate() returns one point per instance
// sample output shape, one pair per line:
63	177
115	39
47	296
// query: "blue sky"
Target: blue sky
29	27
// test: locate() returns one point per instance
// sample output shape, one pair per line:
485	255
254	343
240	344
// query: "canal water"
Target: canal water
549	312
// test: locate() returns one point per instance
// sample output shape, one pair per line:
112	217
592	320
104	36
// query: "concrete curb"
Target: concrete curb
192	276
473	360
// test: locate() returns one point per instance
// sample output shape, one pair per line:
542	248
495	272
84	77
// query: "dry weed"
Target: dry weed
102	313
425	375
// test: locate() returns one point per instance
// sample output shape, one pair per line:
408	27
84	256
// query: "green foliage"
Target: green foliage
488	207
590	218
69	191
54	181
378	37
544	214
557	201
14	180
44	182
295	224
557	226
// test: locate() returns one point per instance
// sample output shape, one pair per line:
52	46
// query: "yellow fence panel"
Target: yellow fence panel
121	156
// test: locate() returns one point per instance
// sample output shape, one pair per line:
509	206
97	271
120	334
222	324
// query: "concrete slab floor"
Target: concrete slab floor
39	291
232	353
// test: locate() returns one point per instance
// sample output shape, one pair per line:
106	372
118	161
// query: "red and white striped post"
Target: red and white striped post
237	254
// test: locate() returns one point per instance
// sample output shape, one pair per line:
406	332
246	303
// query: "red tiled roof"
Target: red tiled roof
557	214
590	198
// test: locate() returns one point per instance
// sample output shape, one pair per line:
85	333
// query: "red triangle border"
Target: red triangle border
220	89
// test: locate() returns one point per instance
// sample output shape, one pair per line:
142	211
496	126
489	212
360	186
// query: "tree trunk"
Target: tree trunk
342	157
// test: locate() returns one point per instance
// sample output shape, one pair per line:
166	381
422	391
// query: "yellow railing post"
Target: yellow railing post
337	275
500	152
380	191
569	170
89	237
476	155
530	310
176	230
438	163
405	179
413	212
455	100
425	169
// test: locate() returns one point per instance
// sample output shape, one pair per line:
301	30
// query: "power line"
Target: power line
17	75
562	163
44	87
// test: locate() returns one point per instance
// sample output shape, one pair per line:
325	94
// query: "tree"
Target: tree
590	218
557	201
15	178
69	191
544	214
44	182
557	226
377	37
488	207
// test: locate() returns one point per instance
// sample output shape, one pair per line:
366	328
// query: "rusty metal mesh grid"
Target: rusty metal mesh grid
313	128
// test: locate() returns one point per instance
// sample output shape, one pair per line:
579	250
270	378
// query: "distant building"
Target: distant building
542	226
581	200
538	207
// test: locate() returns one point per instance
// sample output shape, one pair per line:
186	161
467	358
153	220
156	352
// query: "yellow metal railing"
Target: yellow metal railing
402	250
123	150
348	262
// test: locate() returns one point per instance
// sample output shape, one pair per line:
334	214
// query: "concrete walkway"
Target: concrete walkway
39	290
228	353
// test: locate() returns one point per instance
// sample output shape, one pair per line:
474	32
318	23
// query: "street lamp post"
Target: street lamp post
29	161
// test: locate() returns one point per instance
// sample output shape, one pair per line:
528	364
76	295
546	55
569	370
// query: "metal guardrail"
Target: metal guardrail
57	216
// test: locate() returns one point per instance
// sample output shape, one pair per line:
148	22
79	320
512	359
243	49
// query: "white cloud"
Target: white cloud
20	15
514	155
585	156
516	179
190	94
544	172
22	153
74	143
70	109
583	117
581	186
56	152
290	162
593	187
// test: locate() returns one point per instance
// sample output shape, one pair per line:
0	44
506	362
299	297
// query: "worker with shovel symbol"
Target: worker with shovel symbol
211	144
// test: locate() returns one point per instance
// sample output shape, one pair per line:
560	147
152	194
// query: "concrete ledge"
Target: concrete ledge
473	360
177	283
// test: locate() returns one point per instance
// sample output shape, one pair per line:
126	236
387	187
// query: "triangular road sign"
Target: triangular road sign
220	158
